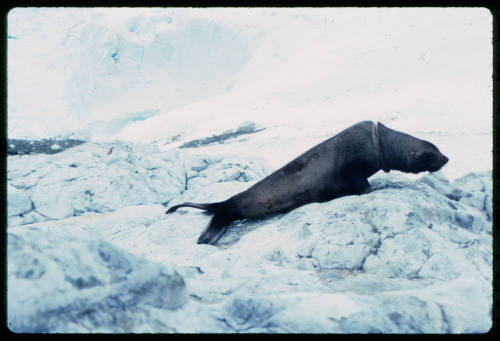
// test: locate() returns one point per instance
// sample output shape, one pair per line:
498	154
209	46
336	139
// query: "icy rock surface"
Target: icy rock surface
412	256
63	280
92	177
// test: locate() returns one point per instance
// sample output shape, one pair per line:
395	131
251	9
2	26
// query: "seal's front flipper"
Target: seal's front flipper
356	185
361	186
215	229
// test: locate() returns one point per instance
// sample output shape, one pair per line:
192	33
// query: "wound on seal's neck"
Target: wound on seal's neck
376	138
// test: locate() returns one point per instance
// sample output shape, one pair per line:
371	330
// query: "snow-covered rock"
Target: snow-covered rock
19	202
63	280
476	190
92	177
412	256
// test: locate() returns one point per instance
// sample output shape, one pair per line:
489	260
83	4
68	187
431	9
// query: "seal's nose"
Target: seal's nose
438	164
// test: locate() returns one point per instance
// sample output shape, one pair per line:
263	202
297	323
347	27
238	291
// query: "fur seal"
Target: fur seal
334	168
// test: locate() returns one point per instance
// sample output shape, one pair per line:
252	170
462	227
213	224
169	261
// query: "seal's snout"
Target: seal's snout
439	163
444	160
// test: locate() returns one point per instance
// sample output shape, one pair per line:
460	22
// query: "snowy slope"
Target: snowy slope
97	65
166	75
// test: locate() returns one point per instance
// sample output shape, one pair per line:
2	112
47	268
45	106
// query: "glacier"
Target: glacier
115	114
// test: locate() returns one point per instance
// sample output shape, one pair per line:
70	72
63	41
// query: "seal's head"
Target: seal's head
426	157
406	153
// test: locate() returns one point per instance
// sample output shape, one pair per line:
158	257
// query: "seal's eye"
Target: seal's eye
412	153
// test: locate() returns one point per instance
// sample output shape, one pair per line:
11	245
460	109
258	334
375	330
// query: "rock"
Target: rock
243	315
62	280
397	315
45	146
247	127
438	182
244	128
476	190
55	146
19	203
404	236
92	177
411	256
407	232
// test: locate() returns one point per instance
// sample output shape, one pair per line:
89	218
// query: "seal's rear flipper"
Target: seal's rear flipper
208	207
215	229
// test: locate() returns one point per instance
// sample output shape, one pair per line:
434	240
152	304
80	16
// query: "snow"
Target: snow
149	74
198	104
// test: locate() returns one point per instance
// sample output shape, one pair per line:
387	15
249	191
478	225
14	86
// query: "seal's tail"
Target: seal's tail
215	229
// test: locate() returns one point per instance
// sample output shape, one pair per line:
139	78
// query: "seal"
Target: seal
337	167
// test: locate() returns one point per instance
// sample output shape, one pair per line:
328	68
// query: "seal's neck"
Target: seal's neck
384	165
397	149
